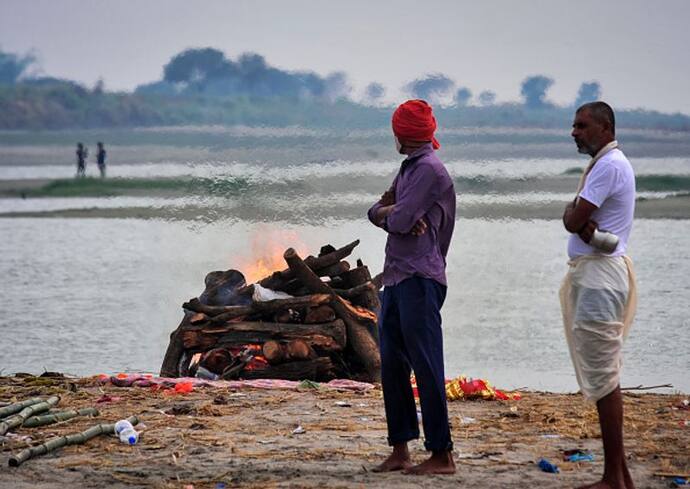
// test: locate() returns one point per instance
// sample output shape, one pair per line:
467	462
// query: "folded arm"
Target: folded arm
420	194
577	218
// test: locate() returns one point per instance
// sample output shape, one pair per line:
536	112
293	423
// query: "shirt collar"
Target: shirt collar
418	153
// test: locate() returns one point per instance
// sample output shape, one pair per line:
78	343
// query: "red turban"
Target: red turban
415	121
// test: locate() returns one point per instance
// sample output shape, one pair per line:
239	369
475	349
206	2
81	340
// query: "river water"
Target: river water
91	295
101	295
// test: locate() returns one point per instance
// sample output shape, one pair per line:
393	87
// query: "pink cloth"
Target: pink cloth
139	380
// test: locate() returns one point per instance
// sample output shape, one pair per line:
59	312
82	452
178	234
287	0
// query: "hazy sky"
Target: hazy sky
638	50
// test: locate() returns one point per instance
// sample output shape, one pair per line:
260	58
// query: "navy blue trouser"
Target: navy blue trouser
411	339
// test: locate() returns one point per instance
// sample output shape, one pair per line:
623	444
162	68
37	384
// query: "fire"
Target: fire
267	248
257	362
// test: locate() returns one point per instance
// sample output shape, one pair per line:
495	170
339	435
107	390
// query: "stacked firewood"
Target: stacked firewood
322	327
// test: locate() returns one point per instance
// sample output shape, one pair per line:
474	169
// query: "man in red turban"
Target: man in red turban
418	213
414	122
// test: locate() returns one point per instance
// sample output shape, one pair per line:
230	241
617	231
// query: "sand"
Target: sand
245	439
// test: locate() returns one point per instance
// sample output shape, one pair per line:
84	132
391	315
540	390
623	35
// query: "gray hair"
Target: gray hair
601	112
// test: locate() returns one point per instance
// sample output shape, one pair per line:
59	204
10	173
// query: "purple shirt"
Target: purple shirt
423	188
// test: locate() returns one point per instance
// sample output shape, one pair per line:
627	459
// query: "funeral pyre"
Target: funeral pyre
314	320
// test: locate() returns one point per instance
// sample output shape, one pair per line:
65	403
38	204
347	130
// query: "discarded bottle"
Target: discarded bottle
123	425
129	436
126	432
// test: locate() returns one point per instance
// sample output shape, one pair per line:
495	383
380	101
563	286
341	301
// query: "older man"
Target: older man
598	295
418	213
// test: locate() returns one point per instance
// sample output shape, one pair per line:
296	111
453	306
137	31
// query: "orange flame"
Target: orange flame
267	248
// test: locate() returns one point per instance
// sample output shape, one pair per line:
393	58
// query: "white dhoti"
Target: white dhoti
598	301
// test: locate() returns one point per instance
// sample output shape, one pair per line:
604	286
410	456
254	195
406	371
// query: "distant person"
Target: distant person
598	295
82	154
100	157
418	213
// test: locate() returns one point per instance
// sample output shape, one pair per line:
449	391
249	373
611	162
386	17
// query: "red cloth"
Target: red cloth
414	120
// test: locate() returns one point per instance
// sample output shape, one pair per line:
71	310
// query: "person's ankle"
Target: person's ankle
400	449
446	455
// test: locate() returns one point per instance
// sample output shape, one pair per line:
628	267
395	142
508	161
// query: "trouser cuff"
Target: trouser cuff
438	447
403	438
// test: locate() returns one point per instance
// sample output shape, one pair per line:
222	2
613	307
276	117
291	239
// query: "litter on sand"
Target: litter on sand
547	466
466	389
577	455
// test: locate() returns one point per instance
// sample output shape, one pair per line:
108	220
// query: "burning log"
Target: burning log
356	290
220	315
277	353
363	344
319	369
277	280
367	296
175	351
314	335
327	337
320	314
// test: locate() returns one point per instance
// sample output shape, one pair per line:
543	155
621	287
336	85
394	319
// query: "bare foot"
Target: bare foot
398	460
439	463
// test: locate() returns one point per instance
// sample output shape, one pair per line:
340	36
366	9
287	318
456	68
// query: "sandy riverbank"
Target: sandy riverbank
245	438
676	207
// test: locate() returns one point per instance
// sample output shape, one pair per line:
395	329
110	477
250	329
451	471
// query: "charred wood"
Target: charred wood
361	340
319	369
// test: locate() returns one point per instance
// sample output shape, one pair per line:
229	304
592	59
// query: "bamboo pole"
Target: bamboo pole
62	441
18	406
18	419
35	421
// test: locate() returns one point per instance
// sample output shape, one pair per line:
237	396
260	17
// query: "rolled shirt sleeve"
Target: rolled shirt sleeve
419	195
371	213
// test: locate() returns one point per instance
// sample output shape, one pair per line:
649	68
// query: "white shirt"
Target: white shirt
610	186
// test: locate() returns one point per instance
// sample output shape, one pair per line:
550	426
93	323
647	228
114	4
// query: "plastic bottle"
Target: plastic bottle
126	432
122	425
129	436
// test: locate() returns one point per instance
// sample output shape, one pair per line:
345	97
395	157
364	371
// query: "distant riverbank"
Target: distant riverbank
659	197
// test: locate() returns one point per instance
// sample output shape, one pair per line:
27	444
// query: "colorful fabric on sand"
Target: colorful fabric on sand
415	121
187	384
467	389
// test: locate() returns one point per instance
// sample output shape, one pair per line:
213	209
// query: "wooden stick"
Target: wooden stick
18	419
647	388
326	336
356	290
318	369
277	279
18	406
225	313
363	344
175	352
378	281
333	270
62	441
35	421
